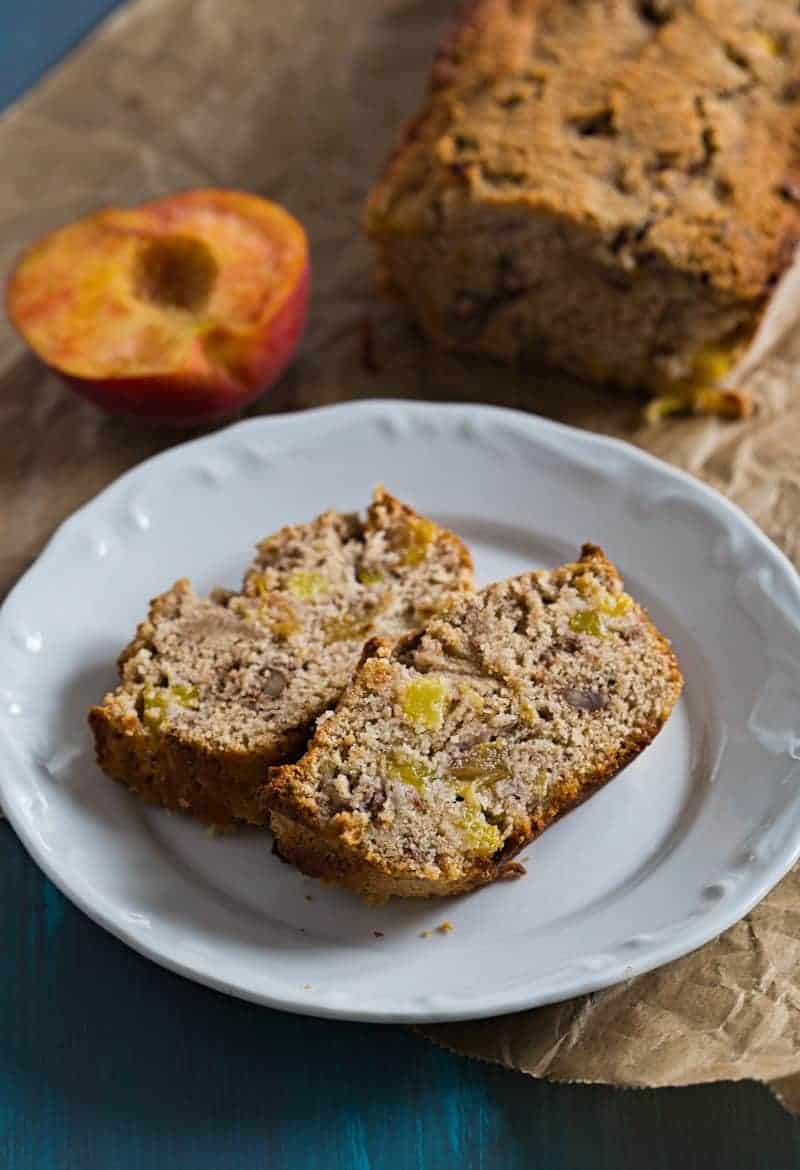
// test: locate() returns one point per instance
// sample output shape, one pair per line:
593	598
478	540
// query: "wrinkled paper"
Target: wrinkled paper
300	102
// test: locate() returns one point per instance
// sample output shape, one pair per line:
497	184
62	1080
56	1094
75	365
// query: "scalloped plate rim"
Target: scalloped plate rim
536	427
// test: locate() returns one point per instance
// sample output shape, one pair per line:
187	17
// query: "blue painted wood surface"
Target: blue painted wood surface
109	1063
34	34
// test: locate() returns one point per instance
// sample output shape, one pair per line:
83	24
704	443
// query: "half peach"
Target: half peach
181	310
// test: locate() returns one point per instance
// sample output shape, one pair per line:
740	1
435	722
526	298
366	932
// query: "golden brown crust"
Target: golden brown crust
332	861
184	776
487	37
493	39
334	849
666	164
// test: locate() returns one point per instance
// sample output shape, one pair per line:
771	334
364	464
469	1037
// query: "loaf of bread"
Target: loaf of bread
214	690
610	187
451	752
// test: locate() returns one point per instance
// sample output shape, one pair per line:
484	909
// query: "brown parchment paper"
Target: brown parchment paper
299	101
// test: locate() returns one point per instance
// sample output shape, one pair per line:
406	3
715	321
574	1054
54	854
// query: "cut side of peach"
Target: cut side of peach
182	309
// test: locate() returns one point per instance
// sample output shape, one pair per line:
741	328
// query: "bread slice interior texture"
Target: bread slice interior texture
451	751
214	690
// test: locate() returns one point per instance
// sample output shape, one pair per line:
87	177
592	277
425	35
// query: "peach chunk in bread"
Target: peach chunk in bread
452	751
214	690
181	310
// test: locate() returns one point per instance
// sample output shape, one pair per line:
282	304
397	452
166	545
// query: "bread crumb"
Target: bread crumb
511	871
445	927
306	987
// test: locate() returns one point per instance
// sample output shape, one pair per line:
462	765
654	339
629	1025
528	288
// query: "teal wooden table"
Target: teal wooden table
110	1063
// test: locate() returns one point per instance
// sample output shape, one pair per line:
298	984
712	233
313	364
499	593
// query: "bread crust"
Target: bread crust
708	194
333	849
493	38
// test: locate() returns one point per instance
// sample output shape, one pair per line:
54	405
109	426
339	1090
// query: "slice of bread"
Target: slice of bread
452	751
214	690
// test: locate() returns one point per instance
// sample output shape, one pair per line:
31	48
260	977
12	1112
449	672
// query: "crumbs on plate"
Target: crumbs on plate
445	927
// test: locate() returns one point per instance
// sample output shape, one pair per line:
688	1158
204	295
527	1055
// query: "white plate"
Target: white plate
674	850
